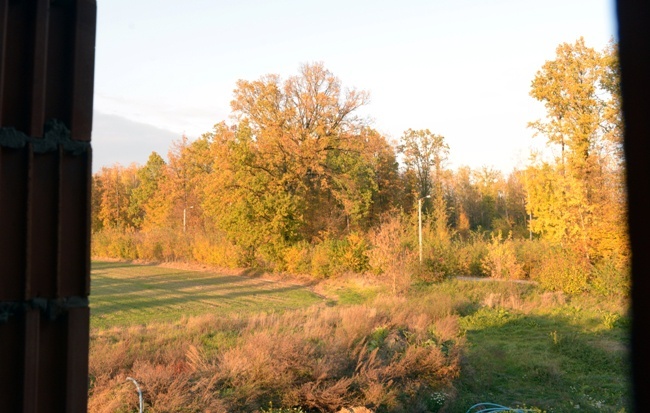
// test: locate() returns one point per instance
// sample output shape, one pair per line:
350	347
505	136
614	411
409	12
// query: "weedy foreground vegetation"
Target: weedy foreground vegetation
392	354
435	348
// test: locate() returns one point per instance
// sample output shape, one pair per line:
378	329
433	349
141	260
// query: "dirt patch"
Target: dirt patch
484	279
612	346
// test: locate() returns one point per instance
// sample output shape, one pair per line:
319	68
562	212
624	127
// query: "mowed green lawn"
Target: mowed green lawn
124	294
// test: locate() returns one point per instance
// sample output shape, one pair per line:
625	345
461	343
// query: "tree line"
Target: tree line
298	181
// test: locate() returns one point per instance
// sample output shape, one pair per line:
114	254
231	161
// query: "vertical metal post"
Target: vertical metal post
530	213
420	227
420	224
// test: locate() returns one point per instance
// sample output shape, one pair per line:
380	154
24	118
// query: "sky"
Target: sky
460	68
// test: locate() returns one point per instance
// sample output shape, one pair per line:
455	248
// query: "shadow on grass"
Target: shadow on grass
559	363
253	272
142	298
103	265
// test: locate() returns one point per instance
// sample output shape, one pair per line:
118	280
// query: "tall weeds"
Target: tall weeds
388	356
390	254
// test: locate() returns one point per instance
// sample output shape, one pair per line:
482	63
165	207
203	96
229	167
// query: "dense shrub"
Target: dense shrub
325	260
298	258
337	256
114	243
470	254
531	254
500	260
354	256
611	278
164	244
389	251
563	270
390	255
215	249
441	261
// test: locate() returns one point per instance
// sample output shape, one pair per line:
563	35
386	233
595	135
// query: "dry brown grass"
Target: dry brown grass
389	356
515	301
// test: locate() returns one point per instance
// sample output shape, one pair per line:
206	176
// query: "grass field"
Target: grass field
527	347
124	294
519	345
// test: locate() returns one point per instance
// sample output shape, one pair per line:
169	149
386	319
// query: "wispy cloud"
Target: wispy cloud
180	118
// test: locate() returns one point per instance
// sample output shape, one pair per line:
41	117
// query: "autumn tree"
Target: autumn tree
143	198
242	201
299	163
97	188
515	203
425	154
168	188
466	201
488	182
114	185
486	200
379	154
578	199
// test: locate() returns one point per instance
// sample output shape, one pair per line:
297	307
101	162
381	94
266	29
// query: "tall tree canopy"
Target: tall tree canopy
425	154
579	199
299	163
144	197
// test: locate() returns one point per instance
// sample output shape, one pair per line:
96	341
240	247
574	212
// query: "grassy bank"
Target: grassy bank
528	347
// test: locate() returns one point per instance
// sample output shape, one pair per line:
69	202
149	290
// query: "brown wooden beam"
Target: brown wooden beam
47	50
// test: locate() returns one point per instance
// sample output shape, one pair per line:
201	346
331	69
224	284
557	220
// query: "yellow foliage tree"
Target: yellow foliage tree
578	199
299	164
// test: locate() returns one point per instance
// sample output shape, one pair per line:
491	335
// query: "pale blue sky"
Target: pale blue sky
460	68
